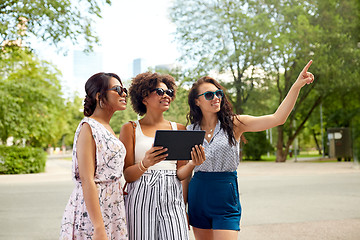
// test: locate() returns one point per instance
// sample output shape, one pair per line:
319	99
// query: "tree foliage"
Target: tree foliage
32	108
258	41
30	99
52	21
221	35
257	145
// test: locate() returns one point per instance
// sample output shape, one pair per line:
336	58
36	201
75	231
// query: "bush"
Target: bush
256	146
16	160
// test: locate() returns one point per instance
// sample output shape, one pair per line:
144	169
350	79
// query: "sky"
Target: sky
128	30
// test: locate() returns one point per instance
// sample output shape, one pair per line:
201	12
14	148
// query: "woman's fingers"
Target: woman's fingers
198	155
155	155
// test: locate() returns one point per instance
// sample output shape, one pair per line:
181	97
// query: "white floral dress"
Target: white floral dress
110	154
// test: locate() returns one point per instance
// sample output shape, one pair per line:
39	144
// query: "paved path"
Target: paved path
302	200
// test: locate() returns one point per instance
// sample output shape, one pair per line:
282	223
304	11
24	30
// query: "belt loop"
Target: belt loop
153	178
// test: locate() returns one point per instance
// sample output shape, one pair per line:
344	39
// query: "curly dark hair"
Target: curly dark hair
141	87
97	83
225	115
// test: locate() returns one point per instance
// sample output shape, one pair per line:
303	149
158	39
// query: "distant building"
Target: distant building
139	66
84	66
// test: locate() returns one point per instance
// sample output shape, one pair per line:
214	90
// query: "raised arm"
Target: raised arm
255	124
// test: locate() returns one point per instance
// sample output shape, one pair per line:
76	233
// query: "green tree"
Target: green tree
221	35
71	115
53	21
336	55
30	100
257	145
121	117
288	49
278	37
32	108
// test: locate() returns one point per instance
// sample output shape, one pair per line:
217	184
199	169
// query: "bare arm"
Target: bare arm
85	151
255	124
133	171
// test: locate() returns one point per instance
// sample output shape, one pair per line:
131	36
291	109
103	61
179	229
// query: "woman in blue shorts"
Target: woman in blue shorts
213	197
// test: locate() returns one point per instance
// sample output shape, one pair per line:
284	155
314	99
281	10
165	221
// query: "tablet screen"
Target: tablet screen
178	142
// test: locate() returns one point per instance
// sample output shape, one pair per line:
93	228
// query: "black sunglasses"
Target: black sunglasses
161	92
210	95
120	90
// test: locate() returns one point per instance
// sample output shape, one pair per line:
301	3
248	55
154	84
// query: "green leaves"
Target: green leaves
276	38
19	160
52	21
30	100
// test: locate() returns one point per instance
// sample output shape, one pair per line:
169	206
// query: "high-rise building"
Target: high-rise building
84	66
139	66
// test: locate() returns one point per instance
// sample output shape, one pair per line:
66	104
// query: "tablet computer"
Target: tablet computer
178	142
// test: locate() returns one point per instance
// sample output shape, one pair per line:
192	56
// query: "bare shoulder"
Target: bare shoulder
85	137
239	124
85	130
126	130
243	119
239	120
127	126
180	126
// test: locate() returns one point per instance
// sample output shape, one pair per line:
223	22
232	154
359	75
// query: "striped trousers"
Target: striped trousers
155	208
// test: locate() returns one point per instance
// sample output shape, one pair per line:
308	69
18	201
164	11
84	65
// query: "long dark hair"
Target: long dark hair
97	83
225	115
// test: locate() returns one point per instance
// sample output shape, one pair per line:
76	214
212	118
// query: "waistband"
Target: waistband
160	172
153	176
215	175
103	182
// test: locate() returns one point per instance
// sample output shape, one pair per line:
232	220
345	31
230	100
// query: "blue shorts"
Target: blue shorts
214	202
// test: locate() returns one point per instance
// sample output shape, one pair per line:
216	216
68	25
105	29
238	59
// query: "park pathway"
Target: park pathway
283	201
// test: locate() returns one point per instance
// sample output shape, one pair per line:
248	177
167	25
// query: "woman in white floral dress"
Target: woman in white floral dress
96	206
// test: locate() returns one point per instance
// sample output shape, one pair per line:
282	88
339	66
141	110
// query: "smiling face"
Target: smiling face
114	100
156	102
212	105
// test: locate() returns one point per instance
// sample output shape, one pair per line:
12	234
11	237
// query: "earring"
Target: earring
101	104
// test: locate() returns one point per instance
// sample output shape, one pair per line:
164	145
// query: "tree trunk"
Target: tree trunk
316	142
280	154
302	124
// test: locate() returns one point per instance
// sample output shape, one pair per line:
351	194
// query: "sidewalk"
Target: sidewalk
292	200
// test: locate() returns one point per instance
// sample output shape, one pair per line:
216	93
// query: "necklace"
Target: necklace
209	134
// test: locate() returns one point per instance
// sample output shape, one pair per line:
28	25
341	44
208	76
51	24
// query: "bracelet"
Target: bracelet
142	165
141	168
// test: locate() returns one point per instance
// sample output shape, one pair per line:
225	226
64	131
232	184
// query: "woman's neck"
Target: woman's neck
209	121
102	116
153	119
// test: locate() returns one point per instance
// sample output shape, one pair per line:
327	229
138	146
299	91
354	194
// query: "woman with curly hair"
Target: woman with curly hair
96	207
155	207
213	197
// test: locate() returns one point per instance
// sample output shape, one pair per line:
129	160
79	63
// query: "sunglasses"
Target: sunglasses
161	92
210	95
120	90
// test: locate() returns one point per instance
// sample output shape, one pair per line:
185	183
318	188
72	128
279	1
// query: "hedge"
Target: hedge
256	146
18	160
